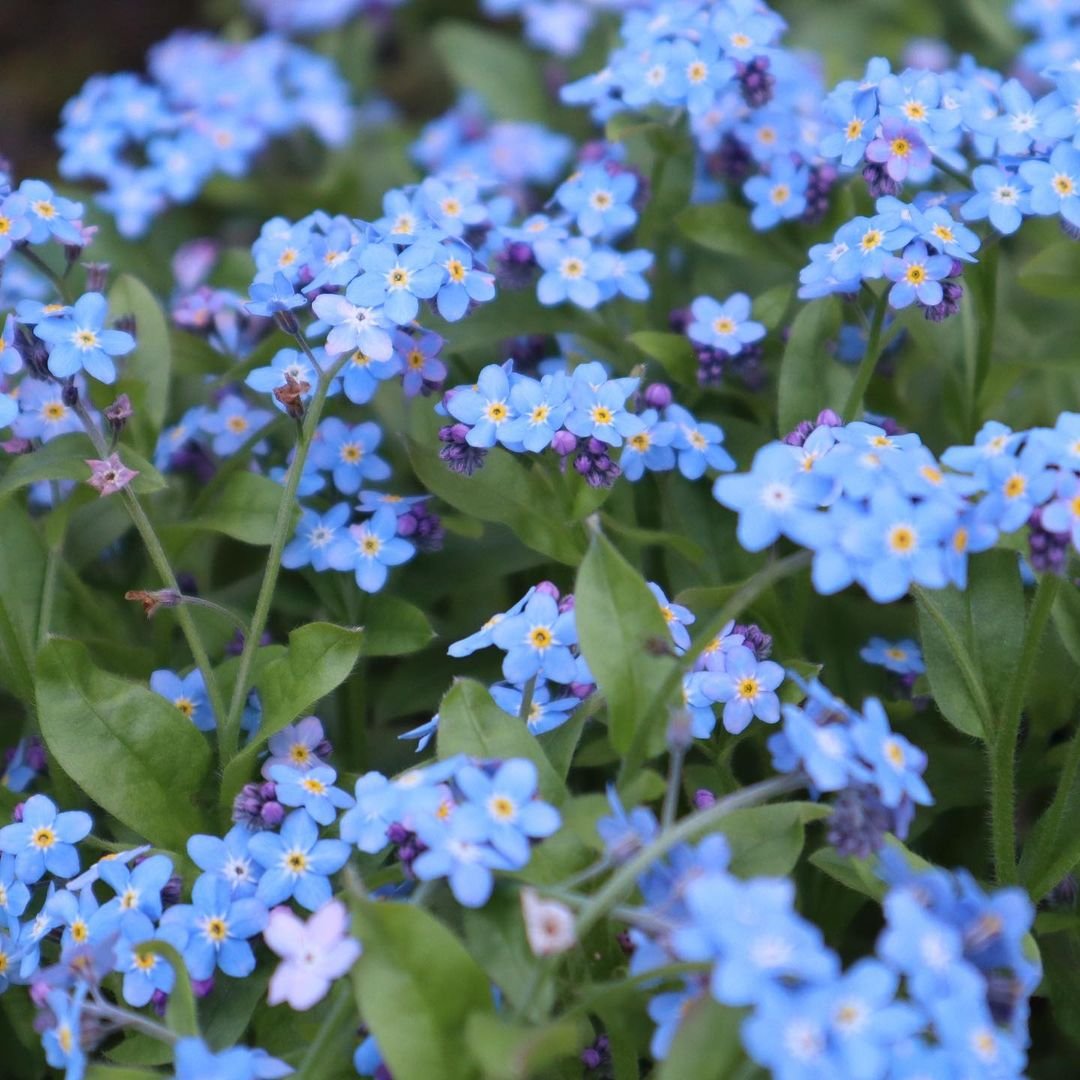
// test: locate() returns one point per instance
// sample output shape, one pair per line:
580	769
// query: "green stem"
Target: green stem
1048	860
1002	741
58	282
161	563
305	347
854	403
736	604
101	1009
229	730
986	328
52	570
690	828
210	605
948	170
527	699
339	1018
674	782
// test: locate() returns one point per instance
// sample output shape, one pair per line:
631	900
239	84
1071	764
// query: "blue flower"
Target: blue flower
485	636
774	498
899	657
896	765
228	858
726	325
779	196
572	271
145	972
599	410
677	617
14	895
600	201
462	283
50	215
514	815
187	693
287	363
1016	486
80	342
219	927
14	221
233	424
457	849
195	1060
353	328
313	789
315	534
278	295
362	374
854	115
938	228
649	448
371	547
1055	184
538	642
626	274
452	206
349	453
746	686
1001	196
540	408
138	892
624	833
824	751
418	357
486	407
396	281
544	713
63	1040
42	412
296	863
44	840
697	445
917	275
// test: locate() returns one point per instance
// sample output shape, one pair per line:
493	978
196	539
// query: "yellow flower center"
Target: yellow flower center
871	239
1064	185
5	225
854	129
943	233
129	900
296	862
398	277
780	194
640	441
185	705
915	274
217	929
288	257
502	808
85	339
601	200
351	453
572	268
540	638
313	786
79	931
496	411
370	545
455	268
960	541
299	754
44	209
697	72
748	687
900	147
144	961
902	539
601	415
724	325
237	424
915	110
42	838
895	753
1015	486
740	40
451	207
55	410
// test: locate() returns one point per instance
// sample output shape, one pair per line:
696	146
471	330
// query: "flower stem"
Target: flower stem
691	827
1002	740
339	1017
101	1009
527	699
161	563
674	782
52	569
229	729
853	405
40	264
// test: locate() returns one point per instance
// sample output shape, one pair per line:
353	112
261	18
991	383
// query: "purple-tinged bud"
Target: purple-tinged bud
1064	893
731	161
118	413
36	757
679	319
127	324
859	822
548	588
193	262
755	81
594	151
170	893
272	814
1048	551
581	690
202	987
756	640
287	321
658	395
625	942
822	179
39	993
703	799
564	442
424	527
799	434
255	806
16	446
878	181
382	1072
69	395
17	812
591	1058
396	833
566	603
159	1000
97	276
827	418
951	295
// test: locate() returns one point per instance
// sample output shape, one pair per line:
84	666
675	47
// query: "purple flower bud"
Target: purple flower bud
827	418
801	432
36	757
17	812
581	690
566	603
97	276
878	181
272	814
202	987
564	443
703	799
159	1000
170	894
658	395
548	588
679	319
39	993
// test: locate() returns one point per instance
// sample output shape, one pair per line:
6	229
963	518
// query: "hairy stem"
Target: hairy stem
853	405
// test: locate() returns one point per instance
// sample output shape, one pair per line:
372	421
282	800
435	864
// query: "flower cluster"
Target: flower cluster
311	16
724	337
946	993
877	772
456	819
753	105
877	508
582	416
208	106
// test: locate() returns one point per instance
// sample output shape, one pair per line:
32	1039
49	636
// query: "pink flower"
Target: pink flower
313	954
111	475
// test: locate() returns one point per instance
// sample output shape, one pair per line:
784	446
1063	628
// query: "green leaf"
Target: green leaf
1066	616
126	1072
228	1013
509	492
471	723
722	227
860	875
128	748
515	1052
686	547
245	508
180	1013
502	71
22	579
1053	272
803	388
706	1045
625	642
65	457
768	840
144	373
394	627
417	988
319	659
972	639
673	351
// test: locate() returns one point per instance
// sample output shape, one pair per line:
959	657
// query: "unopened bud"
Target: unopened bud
152	600
97	276
118	413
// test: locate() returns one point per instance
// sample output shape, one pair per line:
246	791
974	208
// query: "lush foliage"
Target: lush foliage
665	442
